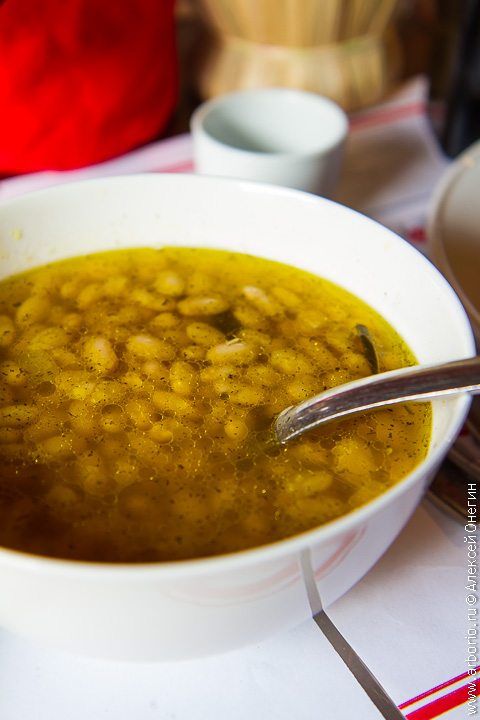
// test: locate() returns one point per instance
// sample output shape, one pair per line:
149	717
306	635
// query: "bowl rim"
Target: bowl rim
299	542
202	113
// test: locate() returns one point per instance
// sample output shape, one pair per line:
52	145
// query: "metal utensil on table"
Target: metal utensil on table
417	383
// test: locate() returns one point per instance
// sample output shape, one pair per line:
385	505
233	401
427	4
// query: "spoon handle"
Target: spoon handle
388	388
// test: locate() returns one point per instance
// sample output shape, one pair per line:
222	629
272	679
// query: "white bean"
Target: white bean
236	352
147	347
204	334
100	355
17	415
202	305
169	283
172	404
13	374
7	331
261	301
32	310
182	378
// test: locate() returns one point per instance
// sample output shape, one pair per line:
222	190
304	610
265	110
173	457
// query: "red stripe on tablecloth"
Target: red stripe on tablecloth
179	167
386	115
435	689
442	704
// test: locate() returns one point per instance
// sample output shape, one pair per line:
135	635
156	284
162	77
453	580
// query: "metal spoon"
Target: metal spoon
422	382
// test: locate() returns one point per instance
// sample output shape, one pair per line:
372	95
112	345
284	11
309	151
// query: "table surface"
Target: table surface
406	619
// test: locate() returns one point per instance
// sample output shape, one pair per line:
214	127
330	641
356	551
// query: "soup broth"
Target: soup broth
137	394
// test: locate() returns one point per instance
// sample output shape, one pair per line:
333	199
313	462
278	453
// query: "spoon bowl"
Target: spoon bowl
416	383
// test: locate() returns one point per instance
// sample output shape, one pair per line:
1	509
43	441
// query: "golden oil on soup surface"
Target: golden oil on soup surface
137	394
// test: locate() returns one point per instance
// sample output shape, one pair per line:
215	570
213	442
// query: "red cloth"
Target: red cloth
82	81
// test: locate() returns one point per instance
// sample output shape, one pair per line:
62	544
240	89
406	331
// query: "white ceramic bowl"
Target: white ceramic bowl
454	230
191	608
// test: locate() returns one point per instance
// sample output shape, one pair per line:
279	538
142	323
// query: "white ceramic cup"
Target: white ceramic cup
273	135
